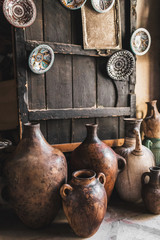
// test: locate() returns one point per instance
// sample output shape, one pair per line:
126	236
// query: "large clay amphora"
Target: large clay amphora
151	124
34	175
93	154
151	190
138	158
85	202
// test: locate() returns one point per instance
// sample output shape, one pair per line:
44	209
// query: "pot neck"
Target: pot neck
149	110
155	175
91	132
84	177
129	142
154	109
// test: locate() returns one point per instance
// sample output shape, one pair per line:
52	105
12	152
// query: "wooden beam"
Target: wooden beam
35	115
69	147
70	49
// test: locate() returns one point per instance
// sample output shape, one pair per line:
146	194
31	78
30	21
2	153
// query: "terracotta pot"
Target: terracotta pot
138	158
85	202
151	123
151	190
96	155
34	176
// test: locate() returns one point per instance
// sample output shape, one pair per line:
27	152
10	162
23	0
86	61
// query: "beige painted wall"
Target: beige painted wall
148	66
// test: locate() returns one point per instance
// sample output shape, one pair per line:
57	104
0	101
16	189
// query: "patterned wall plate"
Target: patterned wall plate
140	41
102	6
73	4
20	13
120	65
41	59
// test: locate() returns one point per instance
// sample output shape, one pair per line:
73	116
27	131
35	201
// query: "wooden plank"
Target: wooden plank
21	75
121	128
59	83
59	131
79	130
70	49
133	104
107	128
78	113
77	37
57	22
106	88
71	146
35	31
122	90
84	82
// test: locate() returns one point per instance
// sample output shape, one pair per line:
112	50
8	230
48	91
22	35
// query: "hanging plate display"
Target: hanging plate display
102	6
73	4
19	13
120	65
140	41
41	59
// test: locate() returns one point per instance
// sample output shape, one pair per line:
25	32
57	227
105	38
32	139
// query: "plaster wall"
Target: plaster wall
148	66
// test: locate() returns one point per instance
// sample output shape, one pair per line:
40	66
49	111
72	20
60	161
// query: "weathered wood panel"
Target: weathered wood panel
107	128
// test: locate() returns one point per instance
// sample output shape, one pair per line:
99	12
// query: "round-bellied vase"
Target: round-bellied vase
138	158
85	202
93	154
151	190
34	175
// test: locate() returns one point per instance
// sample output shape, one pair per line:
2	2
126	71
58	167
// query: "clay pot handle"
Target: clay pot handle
121	163
64	191
102	178
148	143
144	176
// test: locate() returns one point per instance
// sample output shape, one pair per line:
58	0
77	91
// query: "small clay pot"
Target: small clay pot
151	190
94	154
84	202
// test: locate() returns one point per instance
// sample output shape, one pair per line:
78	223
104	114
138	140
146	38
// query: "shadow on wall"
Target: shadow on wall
148	74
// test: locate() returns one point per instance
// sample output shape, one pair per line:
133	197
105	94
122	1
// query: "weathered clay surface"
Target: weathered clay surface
85	202
96	155
34	175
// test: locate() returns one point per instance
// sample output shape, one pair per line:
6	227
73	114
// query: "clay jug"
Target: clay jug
138	158
151	124
93	154
85	202
151	190
34	175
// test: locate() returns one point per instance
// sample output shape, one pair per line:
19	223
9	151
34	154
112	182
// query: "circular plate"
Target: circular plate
41	59
120	65
102	6
73	4
4	143
20	13
140	41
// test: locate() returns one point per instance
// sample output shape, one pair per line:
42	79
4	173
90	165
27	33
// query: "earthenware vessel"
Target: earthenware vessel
41	59
34	175
138	158
93	154
120	65
20	13
151	124
140	41
151	190
85	202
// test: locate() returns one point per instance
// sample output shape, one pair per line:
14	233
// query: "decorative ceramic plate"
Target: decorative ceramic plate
20	13
4	143
73	4
140	41
120	65
41	59
102	6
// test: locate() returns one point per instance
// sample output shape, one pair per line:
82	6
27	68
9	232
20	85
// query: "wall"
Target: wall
148	66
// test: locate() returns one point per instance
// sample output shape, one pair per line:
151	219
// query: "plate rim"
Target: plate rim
102	11
16	25
73	8
131	41
51	63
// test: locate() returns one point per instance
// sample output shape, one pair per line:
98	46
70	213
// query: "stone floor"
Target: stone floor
123	221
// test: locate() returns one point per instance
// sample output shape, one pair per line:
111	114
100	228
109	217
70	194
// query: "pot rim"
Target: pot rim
156	168
32	124
91	174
